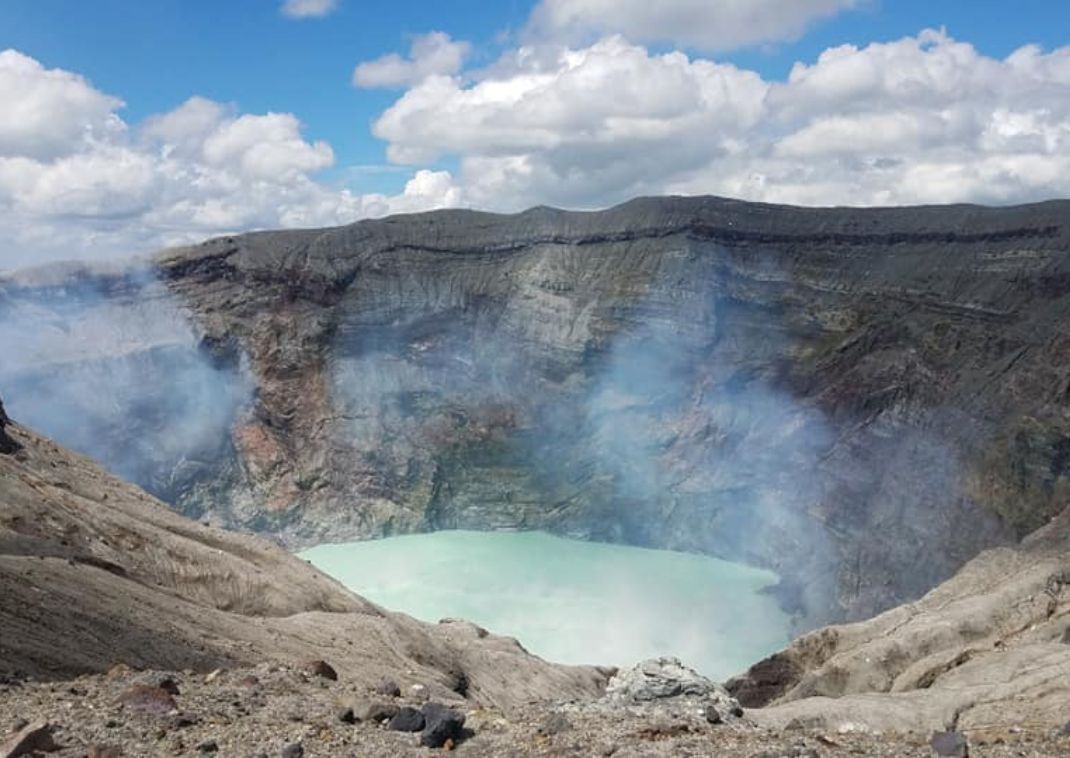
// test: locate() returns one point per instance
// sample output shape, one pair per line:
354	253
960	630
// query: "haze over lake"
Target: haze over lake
572	601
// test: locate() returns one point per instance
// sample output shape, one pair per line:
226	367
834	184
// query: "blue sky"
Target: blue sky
508	150
154	55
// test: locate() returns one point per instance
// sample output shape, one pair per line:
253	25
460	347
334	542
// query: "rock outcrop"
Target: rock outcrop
8	445
862	400
983	653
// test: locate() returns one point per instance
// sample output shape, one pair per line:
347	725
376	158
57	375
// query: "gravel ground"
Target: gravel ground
270	710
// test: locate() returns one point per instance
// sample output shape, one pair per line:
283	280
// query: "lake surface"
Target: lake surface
572	601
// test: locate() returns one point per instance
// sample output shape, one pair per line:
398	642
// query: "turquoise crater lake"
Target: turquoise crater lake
572	601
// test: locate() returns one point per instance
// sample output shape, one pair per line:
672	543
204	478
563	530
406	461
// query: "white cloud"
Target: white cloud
49	112
917	120
186	127
592	123
710	25
429	55
93	186
268	148
308	8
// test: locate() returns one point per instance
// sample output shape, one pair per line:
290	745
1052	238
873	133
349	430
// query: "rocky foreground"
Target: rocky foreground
296	711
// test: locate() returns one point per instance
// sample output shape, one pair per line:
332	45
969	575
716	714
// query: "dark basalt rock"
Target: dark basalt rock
407	720
442	724
320	669
8	446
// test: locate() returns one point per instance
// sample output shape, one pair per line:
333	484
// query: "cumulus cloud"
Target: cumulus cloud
430	54
77	182
699	24
921	119
48	112
594	123
308	8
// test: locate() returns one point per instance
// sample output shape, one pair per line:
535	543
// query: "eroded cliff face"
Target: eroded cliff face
859	399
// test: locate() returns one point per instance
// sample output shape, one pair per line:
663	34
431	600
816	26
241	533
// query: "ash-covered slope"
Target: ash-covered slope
860	399
985	652
94	572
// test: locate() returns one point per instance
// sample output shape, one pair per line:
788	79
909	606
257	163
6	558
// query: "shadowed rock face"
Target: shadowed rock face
859	399
7	444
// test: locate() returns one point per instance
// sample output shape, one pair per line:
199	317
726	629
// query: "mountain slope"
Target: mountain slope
94	572
985	652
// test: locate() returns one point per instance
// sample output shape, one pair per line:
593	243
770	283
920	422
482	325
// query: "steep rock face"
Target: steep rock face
859	399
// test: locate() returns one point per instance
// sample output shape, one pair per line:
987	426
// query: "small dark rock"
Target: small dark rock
321	669
737	711
169	685
377	712
103	751
713	715
184	720
441	724
146	699
31	739
555	723
293	751
459	683
407	720
389	688
1065	731
950	744
347	716
208	746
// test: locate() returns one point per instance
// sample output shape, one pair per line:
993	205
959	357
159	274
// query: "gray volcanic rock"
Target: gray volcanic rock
965	657
651	682
859	399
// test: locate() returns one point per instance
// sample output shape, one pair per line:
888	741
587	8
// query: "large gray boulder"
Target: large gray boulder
653	682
